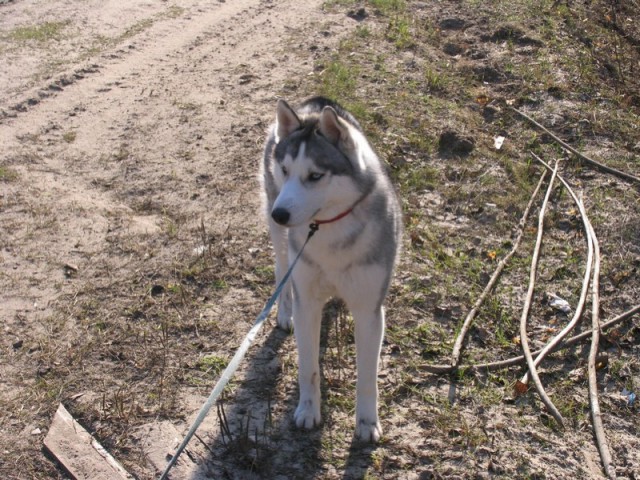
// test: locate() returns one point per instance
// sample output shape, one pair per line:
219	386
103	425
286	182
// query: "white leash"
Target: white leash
237	358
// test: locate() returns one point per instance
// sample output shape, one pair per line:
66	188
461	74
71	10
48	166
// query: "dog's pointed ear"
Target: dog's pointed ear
331	127
286	120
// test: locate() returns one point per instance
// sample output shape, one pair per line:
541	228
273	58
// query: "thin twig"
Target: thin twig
457	348
585	159
224	423
585	282
569	342
598	428
524	342
205	444
519	360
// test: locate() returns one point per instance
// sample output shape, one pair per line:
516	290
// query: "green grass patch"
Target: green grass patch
137	28
388	6
219	284
339	80
399	32
174	11
7	174
211	364
70	136
362	31
41	33
417	178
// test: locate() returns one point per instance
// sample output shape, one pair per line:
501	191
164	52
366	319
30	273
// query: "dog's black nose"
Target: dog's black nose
280	215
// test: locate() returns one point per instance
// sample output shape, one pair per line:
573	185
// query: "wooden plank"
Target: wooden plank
78	452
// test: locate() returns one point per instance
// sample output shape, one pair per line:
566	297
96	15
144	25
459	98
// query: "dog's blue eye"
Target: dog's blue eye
314	177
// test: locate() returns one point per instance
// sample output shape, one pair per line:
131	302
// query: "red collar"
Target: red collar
317	223
334	219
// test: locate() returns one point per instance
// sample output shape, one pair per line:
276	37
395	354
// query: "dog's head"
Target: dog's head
317	166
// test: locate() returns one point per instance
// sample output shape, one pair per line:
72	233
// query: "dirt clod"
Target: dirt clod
452	143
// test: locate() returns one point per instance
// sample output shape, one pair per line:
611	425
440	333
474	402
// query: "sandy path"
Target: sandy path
164	105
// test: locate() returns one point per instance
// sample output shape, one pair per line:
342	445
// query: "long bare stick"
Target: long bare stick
598	428
585	282
457	347
519	360
585	159
524	341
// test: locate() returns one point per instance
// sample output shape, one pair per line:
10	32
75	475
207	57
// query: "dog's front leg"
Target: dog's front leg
369	329
307	316
279	239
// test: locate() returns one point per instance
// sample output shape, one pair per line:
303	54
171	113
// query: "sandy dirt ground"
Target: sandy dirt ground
133	257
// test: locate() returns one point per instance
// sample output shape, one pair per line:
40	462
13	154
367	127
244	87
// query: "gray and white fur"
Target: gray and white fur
319	167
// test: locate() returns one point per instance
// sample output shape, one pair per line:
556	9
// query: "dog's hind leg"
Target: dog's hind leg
279	238
369	329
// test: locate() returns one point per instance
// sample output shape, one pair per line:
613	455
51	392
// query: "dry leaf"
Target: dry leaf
521	388
482	99
416	239
602	361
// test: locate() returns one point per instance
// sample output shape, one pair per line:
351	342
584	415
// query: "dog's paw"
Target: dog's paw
285	322
307	414
368	431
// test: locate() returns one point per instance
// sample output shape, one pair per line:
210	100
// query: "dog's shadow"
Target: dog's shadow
253	418
359	460
257	437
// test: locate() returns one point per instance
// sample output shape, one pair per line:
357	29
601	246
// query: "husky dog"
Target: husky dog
319	169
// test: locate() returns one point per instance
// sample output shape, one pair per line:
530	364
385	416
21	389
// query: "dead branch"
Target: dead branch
457	348
598	428
569	342
524	341
585	282
519	360
604	168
